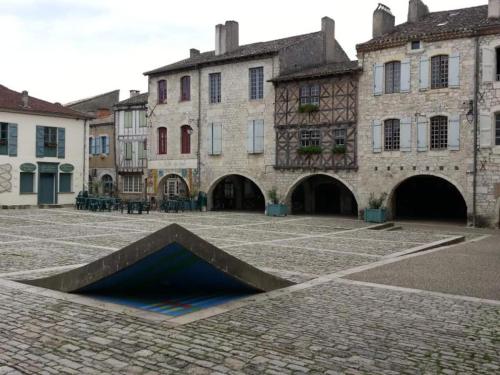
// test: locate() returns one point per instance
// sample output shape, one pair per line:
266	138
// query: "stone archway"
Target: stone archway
236	192
173	185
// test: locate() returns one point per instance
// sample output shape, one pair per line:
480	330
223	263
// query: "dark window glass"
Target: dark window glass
392	77
415	44
497	129
50	141
309	95
4	138
214	87
391	135
497	55
186	139
65	182
162	141
439	72
27	182
439	133
256	83
186	88
162	91
339	136
310	138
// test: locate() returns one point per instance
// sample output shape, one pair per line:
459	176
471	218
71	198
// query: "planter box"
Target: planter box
277	210
375	215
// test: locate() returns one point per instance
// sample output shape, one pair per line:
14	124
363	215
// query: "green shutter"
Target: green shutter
40	152
26	182
12	139
65	182
61	141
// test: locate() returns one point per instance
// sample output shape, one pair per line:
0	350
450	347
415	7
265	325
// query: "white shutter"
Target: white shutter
217	139
250	137
405	75
210	138
454	133
378	79
485	131
377	135
454	70
421	134
424	73
259	136
97	145
488	64
405	134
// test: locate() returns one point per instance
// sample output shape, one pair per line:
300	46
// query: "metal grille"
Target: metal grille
392	77
439	133
497	130
309	95
310	138
340	136
439	72
391	135
256	83
215	90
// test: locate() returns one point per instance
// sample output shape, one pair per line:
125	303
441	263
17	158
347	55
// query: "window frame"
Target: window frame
214	88
310	137
186	132
438	133
162	140
309	94
256	83
392	77
132	184
49	146
32	176
128	119
392	134
67	188
162	91
340	137
185	83
440	72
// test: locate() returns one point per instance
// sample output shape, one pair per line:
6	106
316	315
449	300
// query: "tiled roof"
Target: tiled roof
11	100
91	105
135	100
320	71
245	51
103	120
448	24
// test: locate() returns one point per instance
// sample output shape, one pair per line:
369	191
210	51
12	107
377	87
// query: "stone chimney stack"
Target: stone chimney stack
193	52
494	9
134	93
25	99
328	30
383	20
417	10
226	37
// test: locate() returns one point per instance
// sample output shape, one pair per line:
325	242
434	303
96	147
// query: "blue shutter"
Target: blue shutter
217	139
454	72
378	79
106	149
424	73
421	134
454	133
61	142
39	142
12	142
377	136
485	131
488	65
405	75
259	136
250	137
405	135
97	145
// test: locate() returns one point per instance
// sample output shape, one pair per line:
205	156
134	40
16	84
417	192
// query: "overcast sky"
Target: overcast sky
64	50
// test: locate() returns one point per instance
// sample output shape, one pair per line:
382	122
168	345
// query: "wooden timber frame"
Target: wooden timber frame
338	109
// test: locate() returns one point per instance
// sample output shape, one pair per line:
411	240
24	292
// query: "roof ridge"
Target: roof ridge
90	98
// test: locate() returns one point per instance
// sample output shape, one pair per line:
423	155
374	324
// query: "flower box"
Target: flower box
308	108
375	215
277	209
309	150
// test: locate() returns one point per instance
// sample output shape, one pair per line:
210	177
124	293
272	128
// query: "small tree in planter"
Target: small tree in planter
309	150
308	108
275	208
376	213
339	149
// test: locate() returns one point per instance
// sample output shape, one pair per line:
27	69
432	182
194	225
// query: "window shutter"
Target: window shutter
251	137
405	75
454	133
424	73
128	151
12	141
485	131
378	79
61	142
405	134
107	146
210	139
377	136
259	136
488	64
217	139
421	134
39	142
97	145
454	72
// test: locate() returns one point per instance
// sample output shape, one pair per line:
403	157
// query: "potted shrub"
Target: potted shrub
376	213
339	149
308	108
309	150
275	208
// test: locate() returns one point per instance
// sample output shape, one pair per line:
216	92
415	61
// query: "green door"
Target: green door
46	188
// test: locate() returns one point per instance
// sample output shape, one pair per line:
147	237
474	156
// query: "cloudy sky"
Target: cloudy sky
64	50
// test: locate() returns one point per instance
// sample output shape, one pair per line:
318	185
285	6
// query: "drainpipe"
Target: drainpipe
85	138
476	117
198	153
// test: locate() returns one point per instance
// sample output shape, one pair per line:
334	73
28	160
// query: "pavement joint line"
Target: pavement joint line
376	240
288	272
436	244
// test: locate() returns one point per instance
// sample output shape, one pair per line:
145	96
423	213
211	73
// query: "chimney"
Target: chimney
494	9
383	20
417	10
25	99
193	52
134	93
103	112
226	37
329	42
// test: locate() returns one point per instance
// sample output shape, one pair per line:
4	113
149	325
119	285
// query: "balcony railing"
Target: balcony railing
132	165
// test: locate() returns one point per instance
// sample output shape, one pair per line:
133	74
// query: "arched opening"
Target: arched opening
321	194
107	184
235	192
173	186
428	197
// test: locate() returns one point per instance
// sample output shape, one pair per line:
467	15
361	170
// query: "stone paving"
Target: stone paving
330	326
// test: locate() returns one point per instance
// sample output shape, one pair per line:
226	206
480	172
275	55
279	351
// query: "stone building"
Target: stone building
102	165
132	131
213	121
418	103
43	151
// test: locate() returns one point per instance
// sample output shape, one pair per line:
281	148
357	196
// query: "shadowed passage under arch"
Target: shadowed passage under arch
236	192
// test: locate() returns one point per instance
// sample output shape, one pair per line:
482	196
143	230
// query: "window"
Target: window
142	148
186	139
162	91
186	88
107	184
439	72
310	138
142	119
132	184
65	182
339	137
391	135
128	151
497	130
393	77
104	149
50	141
162	141
214	87
256	83
415	44
4	138
27	182
128	119
309	95
439	133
